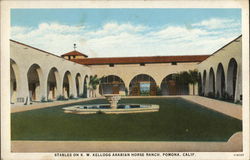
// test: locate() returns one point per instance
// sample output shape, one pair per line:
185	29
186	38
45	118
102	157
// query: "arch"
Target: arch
220	81
112	84
204	82
14	81
78	80
34	76
67	85
170	86
231	78
52	84
85	89
142	84
211	83
199	84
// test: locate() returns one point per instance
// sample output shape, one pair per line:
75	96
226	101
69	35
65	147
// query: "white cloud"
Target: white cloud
216	23
113	39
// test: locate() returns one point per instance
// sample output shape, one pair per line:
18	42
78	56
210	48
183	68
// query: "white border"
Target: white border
5	82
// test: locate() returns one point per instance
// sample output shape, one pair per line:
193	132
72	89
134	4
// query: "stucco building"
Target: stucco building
37	75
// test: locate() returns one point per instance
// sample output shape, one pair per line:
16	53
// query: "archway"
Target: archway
52	84
34	75
67	84
231	78
13	81
170	86
112	85
211	83
78	80
204	83
85	89
220	81
199	85
143	85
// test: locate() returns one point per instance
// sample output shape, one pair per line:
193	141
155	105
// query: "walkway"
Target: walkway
230	109
22	108
233	145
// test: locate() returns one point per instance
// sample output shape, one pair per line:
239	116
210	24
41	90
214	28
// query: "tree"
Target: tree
193	77
94	81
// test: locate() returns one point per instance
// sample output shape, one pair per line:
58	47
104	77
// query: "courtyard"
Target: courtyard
177	120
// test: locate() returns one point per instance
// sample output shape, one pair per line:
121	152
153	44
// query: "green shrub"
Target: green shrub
100	112
43	99
211	95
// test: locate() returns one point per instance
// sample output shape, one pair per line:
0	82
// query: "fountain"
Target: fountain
113	99
112	108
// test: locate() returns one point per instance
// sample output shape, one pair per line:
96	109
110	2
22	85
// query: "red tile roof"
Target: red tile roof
74	53
136	60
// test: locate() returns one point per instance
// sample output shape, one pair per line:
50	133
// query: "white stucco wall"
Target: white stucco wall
223	56
24	57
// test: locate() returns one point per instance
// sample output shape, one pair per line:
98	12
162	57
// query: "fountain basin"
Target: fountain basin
107	109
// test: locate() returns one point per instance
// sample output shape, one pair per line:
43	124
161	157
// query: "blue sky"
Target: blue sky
126	32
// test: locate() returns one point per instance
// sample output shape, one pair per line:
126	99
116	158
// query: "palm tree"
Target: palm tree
94	81
193	78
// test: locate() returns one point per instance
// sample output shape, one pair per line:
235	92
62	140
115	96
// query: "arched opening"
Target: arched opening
143	85
85	89
170	86
13	81
211	83
67	79
220	82
231	78
78	80
199	85
112	85
34	75
204	83
52	84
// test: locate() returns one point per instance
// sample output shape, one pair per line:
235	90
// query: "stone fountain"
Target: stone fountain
112	108
113	99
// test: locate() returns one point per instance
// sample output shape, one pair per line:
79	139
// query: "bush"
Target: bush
144	93
60	98
158	91
211	95
43	99
217	95
126	91
81	95
100	112
49	100
71	96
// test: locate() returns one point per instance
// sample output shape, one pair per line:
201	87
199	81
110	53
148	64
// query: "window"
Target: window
174	63
69	57
74	57
111	65
142	64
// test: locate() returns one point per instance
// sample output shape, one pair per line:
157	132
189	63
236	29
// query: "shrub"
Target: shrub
60	98
211	95
126	91
158	91
100	112
49	100
81	95
71	96
43	99
144	93
217	95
